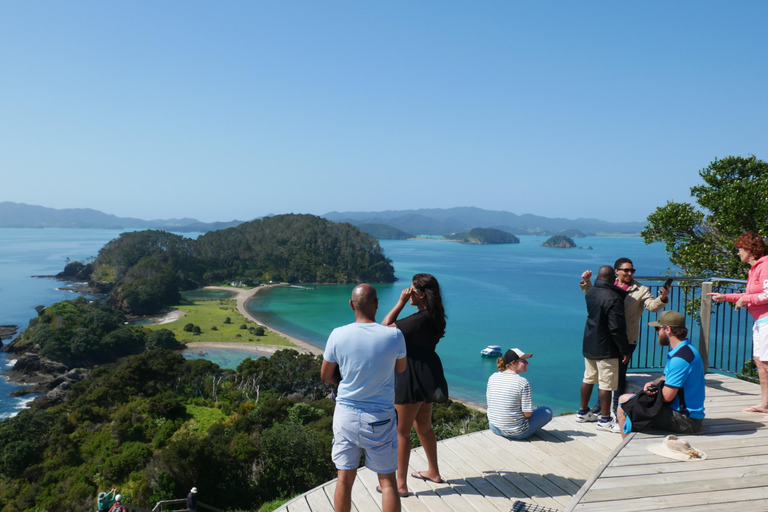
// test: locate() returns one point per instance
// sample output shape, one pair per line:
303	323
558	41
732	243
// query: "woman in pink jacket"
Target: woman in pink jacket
751	249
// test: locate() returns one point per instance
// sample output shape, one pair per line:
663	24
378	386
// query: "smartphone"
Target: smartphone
668	283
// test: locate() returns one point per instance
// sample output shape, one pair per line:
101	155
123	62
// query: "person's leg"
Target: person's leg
426	433
406	413
622	388
342	498
390	498
540	417
605	401
608	379
586	393
620	415
762	374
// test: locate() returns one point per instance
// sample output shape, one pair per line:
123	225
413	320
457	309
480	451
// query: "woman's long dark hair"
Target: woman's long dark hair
432	300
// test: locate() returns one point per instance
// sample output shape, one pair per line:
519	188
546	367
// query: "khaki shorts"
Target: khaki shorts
604	372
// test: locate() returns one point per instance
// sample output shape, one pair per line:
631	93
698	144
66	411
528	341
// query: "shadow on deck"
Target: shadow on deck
573	466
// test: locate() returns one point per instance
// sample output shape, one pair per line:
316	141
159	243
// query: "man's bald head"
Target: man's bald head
606	273
364	302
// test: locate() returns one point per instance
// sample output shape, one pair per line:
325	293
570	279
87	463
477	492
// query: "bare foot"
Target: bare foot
756	408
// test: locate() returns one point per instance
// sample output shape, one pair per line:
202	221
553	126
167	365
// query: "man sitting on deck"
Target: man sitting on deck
362	358
681	387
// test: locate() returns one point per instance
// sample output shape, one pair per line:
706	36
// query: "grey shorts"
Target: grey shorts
675	421
356	432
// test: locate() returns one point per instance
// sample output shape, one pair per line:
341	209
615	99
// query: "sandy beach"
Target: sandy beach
241	297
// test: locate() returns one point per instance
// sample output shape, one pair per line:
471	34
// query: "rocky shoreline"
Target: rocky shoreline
51	378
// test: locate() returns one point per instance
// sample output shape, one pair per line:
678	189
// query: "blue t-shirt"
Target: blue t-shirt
685	372
366	355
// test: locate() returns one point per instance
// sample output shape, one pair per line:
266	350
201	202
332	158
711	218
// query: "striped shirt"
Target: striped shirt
507	396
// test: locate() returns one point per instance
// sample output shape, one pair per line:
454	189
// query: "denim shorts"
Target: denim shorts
356	432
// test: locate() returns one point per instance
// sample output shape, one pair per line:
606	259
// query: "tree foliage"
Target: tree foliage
143	271
699	237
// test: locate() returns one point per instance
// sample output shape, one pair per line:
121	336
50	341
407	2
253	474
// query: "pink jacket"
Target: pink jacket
756	296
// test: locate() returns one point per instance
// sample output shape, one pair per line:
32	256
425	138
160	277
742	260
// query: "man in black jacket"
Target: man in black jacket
605	342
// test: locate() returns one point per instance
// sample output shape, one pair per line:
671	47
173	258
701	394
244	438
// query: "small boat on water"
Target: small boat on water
491	351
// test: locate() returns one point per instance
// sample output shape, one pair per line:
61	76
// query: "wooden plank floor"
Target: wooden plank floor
485	472
733	477
573	466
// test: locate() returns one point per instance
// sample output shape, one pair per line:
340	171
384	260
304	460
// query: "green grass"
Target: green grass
274	504
204	417
210	313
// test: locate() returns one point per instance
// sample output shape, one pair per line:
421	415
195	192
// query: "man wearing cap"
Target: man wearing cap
362	358
192	500
681	388
510	406
605	343
638	299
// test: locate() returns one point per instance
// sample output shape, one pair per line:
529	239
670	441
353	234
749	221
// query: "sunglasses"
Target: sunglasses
631	270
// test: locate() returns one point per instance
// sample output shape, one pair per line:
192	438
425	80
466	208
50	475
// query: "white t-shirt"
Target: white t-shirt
366	355
507	396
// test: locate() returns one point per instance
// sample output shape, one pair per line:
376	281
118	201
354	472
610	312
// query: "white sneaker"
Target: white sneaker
609	426
588	417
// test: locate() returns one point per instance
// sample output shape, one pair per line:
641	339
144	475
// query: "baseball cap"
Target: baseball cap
514	354
669	319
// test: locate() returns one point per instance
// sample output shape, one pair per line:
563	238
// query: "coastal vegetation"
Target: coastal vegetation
157	424
484	236
83	333
699	237
560	242
144	271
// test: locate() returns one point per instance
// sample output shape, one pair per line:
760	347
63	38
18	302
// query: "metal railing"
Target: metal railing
721	332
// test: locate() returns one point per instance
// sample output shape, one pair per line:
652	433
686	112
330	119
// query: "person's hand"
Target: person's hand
625	359
586	275
663	293
740	303
405	295
717	297
651	388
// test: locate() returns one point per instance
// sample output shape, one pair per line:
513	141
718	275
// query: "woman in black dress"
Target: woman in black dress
422	382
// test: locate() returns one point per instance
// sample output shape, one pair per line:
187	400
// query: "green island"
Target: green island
143	272
560	242
484	236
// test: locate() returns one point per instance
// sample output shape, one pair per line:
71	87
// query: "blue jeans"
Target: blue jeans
538	419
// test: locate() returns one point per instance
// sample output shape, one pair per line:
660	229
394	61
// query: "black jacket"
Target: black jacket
605	335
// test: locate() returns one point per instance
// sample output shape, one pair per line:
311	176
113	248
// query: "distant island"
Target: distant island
560	242
384	232
445	221
484	236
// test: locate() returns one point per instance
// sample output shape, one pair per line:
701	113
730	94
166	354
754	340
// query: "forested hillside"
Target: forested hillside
158	424
143	271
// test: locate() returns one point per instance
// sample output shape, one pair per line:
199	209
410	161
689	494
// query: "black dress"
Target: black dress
423	379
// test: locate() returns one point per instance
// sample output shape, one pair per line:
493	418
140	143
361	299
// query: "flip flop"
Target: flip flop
753	408
426	479
402	495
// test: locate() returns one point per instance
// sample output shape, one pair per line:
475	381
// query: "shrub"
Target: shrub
189	327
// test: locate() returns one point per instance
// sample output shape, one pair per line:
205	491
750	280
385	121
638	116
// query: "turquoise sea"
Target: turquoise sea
521	295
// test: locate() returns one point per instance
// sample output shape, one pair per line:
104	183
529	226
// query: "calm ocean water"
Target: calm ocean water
522	295
512	295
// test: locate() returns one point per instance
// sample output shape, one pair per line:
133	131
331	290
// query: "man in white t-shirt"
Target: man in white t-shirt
362	358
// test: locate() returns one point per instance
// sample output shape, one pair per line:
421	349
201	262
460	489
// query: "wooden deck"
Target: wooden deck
573	466
733	477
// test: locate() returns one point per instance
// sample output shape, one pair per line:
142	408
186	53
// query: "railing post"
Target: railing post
706	320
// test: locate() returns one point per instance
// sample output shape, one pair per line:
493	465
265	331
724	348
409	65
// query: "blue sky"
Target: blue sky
234	110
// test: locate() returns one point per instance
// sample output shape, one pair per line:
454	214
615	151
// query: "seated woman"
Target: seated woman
510	407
